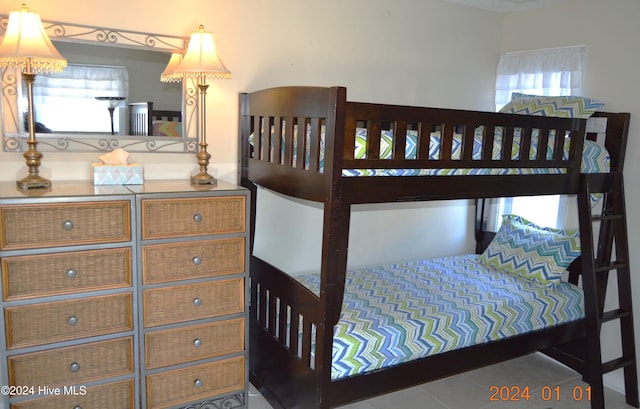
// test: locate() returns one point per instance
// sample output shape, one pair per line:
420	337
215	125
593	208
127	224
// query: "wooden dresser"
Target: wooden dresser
124	296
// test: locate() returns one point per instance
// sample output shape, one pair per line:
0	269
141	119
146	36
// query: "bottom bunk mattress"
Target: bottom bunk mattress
401	312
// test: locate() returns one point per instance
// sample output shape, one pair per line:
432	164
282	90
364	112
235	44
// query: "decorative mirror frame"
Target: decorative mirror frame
14	135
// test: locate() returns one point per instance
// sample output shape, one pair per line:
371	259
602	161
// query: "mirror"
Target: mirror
78	43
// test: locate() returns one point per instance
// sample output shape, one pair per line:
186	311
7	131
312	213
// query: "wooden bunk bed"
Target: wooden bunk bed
144	120
292	326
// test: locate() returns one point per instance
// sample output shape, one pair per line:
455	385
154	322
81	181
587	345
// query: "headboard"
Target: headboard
144	120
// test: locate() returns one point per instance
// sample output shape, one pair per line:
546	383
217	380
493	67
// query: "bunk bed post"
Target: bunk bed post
244	153
482	236
336	213
335	237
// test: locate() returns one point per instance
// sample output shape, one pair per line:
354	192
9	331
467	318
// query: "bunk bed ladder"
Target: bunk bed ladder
597	266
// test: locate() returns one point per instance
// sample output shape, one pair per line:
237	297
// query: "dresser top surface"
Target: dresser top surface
181	186
69	189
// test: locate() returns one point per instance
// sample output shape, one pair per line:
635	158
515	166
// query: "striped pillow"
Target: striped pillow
537	253
564	107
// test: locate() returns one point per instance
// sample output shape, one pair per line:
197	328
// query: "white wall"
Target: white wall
610	30
417	53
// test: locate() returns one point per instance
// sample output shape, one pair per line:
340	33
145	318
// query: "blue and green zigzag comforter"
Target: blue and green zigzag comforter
401	312
595	158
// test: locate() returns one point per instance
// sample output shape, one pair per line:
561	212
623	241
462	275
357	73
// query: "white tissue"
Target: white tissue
116	157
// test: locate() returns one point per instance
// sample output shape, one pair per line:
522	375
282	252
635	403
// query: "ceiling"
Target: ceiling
507	6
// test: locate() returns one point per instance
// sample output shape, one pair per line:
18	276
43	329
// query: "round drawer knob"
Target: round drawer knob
77	407
197	301
67	225
72	273
197	383
197	217
72	320
74	367
197	260
197	342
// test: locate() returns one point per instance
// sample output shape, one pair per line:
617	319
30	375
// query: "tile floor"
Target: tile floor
473	390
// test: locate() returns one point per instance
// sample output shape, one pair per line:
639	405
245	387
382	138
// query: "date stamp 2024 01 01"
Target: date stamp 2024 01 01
516	393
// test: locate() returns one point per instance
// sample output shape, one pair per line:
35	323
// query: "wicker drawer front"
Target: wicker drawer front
162	218
178	261
117	395
36	226
73	365
164	348
64	273
191	302
195	382
43	323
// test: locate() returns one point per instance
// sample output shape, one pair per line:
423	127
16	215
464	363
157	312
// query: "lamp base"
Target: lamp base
33	182
203	178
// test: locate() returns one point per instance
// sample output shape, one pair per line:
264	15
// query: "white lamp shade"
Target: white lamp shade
201	58
27	45
169	73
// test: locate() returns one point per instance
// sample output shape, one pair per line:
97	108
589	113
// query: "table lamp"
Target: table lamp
27	47
201	62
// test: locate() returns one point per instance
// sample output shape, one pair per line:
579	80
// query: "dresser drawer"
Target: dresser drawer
195	382
174	346
179	261
43	323
194	301
163	218
117	395
65	273
36	226
73	365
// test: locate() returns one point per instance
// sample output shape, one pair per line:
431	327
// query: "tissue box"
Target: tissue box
130	174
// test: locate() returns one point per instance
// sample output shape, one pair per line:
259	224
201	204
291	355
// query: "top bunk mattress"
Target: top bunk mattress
402	312
595	158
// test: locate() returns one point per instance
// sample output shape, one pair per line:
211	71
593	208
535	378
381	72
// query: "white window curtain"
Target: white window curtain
66	101
83	81
552	71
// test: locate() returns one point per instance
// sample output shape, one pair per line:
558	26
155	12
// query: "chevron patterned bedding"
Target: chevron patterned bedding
595	158
401	312
167	128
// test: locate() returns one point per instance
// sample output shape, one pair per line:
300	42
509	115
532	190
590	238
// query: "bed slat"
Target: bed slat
400	140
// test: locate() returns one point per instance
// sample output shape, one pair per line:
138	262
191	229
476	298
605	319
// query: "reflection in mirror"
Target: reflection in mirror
87	107
99	81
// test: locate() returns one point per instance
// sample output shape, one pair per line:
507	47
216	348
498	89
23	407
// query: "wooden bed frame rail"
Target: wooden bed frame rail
285	318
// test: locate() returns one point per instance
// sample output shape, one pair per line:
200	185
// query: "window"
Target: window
542	210
552	72
555	71
66	101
